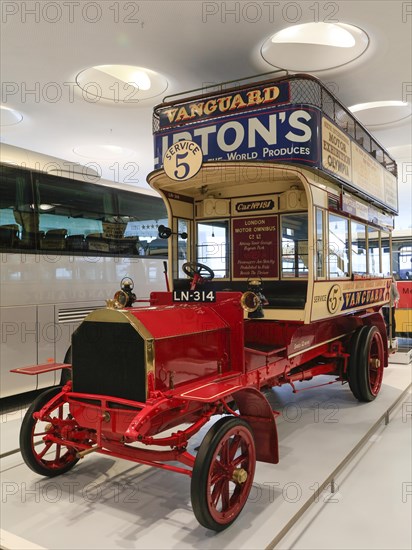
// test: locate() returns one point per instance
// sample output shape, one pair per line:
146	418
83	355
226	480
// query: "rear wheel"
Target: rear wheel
372	364
223	473
366	363
42	456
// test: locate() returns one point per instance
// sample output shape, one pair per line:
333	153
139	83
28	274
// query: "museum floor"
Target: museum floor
108	503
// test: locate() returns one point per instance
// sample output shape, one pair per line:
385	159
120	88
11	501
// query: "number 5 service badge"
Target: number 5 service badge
183	160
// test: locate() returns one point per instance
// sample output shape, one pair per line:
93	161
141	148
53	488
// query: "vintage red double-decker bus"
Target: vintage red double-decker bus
281	200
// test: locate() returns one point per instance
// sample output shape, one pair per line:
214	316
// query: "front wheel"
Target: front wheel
42	456
223	473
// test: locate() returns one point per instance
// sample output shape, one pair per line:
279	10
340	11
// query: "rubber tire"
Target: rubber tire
26	444
199	483
353	361
365	393
66	374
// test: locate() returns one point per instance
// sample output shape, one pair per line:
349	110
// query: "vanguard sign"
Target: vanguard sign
223	104
278	134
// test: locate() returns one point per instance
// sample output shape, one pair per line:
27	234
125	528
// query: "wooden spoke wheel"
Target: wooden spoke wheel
223	473
45	457
366	364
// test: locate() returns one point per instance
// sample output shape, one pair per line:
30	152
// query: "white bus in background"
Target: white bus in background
67	239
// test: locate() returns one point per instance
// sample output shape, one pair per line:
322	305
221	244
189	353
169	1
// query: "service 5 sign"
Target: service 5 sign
183	160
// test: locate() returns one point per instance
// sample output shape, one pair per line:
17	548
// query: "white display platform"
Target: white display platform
111	503
372	506
402	356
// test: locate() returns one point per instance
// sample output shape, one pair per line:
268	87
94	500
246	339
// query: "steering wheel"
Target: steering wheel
198	273
194	268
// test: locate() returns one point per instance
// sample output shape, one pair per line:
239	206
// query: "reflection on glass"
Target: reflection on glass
212	246
374	248
320	244
405	262
386	257
182	243
338	246
295	245
75	217
358	247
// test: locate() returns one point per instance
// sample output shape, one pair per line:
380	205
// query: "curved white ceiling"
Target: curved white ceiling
103	152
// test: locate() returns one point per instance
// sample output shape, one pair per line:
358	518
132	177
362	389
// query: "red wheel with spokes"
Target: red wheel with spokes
371	364
223	473
43	456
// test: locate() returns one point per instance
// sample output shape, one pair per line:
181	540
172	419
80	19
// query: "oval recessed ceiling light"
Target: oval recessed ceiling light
121	84
9	117
103	152
315	46
381	113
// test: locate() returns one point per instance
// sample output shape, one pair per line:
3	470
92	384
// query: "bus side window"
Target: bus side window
359	256
212	245
294	249
405	262
18	221
374	246
386	266
141	219
320	244
68	208
338	256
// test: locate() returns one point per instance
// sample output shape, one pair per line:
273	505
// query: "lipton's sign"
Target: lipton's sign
219	105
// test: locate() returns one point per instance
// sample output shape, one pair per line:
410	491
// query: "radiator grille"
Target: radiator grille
109	359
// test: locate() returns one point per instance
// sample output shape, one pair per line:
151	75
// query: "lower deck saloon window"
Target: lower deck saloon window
294	249
338	253
359	256
212	246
